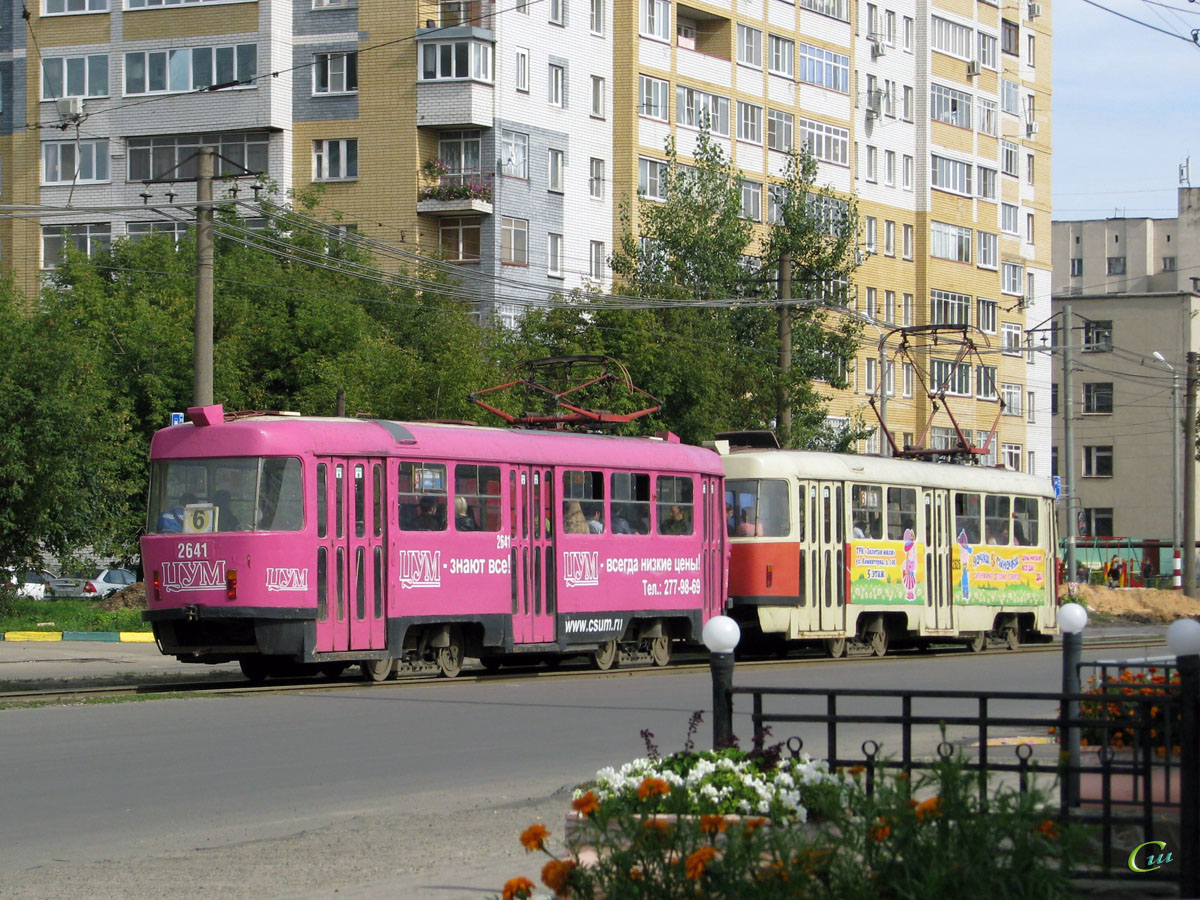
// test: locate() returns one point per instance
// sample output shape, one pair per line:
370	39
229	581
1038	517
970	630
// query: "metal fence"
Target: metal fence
1137	778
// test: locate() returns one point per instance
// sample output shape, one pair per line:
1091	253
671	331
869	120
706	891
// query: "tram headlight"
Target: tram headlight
231	585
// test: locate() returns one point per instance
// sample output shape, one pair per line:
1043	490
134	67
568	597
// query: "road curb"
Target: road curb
131	637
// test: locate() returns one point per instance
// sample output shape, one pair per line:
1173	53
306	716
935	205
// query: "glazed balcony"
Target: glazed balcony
454	77
456	194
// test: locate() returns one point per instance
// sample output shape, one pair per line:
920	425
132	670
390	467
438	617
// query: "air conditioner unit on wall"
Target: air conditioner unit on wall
877	46
69	107
1031	128
973	68
1035	10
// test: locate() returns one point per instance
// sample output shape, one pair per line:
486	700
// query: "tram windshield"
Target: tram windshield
757	508
225	494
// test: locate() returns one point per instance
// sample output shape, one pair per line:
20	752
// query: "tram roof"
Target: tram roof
877	469
290	435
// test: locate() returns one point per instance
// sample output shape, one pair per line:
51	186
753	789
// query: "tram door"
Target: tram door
828	536
534	591
350	571
938	547
714	527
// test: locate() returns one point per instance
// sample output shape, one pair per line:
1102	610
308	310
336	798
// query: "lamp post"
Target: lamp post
1072	619
1183	639
1176	528
721	635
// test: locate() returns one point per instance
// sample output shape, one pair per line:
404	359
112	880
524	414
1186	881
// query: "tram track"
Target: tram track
75	693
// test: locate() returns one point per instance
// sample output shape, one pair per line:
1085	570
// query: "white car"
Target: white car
29	583
106	581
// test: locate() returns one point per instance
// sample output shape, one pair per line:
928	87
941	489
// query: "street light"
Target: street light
1177	480
721	635
1072	619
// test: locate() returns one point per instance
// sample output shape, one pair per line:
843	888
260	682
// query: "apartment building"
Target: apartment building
1130	284
503	133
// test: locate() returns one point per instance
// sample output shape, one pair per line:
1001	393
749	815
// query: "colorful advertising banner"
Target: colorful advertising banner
998	576
887	571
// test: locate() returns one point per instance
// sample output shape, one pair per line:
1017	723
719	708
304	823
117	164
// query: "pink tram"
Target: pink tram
296	544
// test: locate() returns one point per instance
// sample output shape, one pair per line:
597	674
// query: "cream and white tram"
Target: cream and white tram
874	551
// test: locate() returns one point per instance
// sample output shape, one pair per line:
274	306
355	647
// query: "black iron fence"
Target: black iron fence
1137	778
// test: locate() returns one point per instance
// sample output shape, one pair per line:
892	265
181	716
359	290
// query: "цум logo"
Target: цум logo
1152	862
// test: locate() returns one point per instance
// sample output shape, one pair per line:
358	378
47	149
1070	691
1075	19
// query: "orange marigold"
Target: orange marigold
534	837
855	771
1048	827
713	824
651	787
880	832
636	874
929	809
699	861
587	804
556	873
659	828
517	889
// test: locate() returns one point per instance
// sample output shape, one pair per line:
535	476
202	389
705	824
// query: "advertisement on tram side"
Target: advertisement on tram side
998	576
888	572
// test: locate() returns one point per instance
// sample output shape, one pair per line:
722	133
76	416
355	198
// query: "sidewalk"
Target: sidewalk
110	657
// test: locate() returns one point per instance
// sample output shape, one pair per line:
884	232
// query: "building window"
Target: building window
907	243
907	184
522	70
1097	522
514	154
907	385
781	60
1116	265
1098	462
597	97
337	73
987	182
951	242
949	308
696	109
749	122
752	201
779	130
596	179
653	94
557	12
175	156
460	238
889	168
1012	278
749	45
65	162
554	166
554	248
514	241
989	250
889	238
872	172
1098	336
335	160
909	102
872	307
950	106
1098	397
951	175
64	7
1029	168
597	260
835	9
987	50
953	378
1029	228
137	231
1010	338
1011	395
655	19
1008	158
440	61
1008	218
988	122
651	182
1030	416
870	230
1167	266
597	19
1011	454
75	76
825	68
986	315
950	37
908	312
1010	37
556	89
827	143
87	239
985	382
889	308
1076	266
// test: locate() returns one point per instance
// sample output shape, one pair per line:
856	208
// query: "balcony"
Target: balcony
454	77
456	194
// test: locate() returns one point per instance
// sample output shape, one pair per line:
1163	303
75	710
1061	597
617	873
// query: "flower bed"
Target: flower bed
1117	717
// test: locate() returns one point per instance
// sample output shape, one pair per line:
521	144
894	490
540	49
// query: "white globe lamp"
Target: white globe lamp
721	634
1072	618
1183	637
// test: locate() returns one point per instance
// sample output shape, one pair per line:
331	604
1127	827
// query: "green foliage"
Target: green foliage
23	614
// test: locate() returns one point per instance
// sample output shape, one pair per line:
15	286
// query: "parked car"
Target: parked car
106	581
29	583
67	585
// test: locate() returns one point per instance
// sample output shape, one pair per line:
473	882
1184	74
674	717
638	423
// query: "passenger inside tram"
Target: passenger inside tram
573	518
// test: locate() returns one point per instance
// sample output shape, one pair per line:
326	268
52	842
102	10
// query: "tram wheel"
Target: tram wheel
377	669
450	657
835	648
660	650
256	668
605	656
1012	640
879	642
978	642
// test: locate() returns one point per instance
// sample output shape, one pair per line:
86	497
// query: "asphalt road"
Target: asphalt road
404	791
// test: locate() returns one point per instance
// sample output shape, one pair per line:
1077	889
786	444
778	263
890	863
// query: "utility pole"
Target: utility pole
1068	460
1189	477
885	446
783	404
202	358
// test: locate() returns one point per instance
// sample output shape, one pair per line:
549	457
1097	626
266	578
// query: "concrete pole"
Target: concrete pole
1068	461
202	360
885	446
1189	476
783	411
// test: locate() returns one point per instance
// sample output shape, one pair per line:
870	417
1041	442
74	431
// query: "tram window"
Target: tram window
322	584
322	502
901	512
802	517
421	491
839	517
1025	521
360	500
226	494
967	517
827	509
378	582
995	519
630	503
758	508
929	519
867	511
477	498
339	500
582	492
377	487
676	512
360	584
280	496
